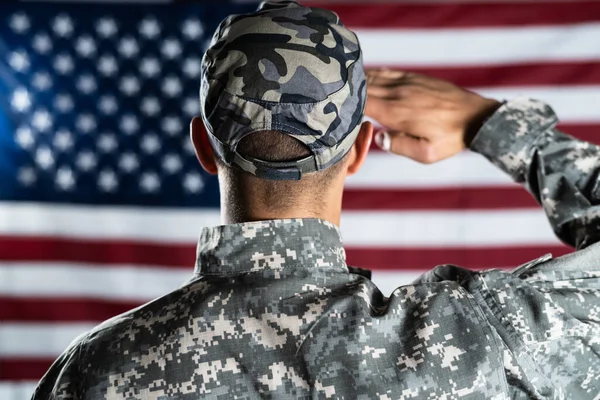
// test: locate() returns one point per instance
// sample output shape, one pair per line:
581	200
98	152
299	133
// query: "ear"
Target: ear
202	146
361	146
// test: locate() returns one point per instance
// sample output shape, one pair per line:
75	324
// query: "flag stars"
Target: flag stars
41	120
86	161
129	85
191	106
172	163
42	43
19	61
27	176
193	182
107	180
149	67
86	84
24	137
63	64
63	103
65	179
106	27
192	29
63	140
44	158
20	23
41	81
62	26
150	106
107	65
107	142
128	47
192	67
85	123
171	86
128	162
149	28
171	125
107	104
150	144
171	48
188	146
85	46
129	124
149	182
21	101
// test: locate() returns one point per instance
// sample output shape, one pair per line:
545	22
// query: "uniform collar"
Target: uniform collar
274	244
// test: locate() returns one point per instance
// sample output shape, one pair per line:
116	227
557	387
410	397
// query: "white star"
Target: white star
21	100
171	48
193	182
129	124
150	143
149	28
149	182
85	46
107	180
107	65
128	162
171	163
171	125
85	123
19	23
41	120
63	103
106	27
65	179
86	161
192	68
19	61
26	176
149	67
44	157
107	142
42	43
171	86
128	47
150	106
24	137
63	63
62	26
107	104
86	84
129	85
188	146
191	106
192	29
42	81
63	140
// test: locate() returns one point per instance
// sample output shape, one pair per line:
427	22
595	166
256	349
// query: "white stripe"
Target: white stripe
386	170
126	283
388	281
360	228
16	390
38	340
479	46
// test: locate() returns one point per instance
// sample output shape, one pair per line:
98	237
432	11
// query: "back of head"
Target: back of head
282	95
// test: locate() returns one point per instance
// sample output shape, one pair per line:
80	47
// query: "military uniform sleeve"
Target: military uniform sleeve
561	172
62	380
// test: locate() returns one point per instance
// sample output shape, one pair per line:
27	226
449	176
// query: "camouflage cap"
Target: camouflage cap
287	68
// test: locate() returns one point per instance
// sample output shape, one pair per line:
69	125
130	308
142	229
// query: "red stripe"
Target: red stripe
555	74
465	15
588	132
392	259
23	369
32	248
475	198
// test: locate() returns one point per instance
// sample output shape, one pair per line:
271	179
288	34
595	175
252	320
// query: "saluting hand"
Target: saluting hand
425	118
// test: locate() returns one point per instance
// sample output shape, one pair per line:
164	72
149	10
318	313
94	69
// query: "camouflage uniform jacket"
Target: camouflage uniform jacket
273	311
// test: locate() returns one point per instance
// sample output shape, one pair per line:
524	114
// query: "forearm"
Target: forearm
561	172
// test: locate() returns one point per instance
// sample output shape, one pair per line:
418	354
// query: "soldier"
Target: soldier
272	309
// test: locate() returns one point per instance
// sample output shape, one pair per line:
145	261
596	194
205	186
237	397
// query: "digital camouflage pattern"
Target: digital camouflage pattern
287	68
273	311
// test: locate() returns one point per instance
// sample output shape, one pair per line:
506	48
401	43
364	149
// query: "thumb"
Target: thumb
404	145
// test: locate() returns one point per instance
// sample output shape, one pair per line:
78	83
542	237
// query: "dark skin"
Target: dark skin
426	119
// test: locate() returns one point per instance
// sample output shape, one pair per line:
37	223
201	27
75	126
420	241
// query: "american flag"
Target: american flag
102	199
